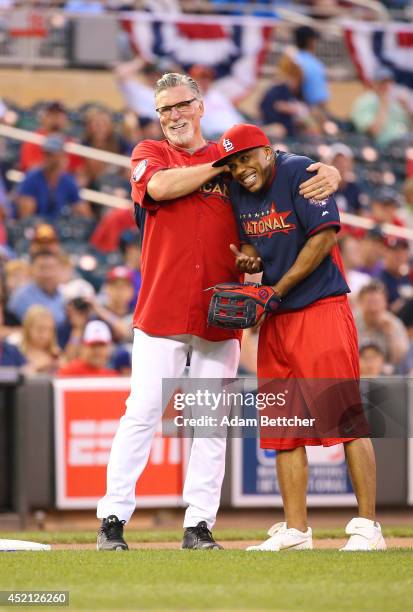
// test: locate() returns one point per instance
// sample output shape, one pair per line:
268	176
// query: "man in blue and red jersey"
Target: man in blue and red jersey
183	210
311	339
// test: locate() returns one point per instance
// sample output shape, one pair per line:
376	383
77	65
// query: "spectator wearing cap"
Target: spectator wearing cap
384	206
395	275
375	322
116	311
44	238
381	112
49	190
219	112
53	120
43	289
349	196
372	359
314	89
95	353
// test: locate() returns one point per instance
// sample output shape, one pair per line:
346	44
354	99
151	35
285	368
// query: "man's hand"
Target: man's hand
384	323
77	317
246	263
323	184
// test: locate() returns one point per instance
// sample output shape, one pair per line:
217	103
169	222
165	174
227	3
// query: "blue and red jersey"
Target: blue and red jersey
278	221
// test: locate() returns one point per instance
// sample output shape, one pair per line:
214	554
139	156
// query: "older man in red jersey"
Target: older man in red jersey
183	209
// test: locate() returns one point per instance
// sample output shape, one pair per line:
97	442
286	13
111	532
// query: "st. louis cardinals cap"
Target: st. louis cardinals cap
119	273
240	137
97	332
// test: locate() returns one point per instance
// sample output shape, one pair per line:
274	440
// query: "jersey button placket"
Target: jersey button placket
198	276
198	240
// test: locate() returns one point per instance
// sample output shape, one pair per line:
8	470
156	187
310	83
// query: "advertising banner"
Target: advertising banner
254	482
87	413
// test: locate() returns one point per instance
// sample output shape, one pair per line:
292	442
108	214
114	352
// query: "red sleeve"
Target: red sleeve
106	236
30	155
3	234
147	159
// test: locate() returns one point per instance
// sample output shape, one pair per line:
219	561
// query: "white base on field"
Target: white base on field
14	545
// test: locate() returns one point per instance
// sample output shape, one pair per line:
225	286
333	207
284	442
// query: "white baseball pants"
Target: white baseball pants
154	358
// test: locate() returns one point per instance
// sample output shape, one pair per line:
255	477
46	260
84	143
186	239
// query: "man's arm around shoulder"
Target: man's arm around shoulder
178	182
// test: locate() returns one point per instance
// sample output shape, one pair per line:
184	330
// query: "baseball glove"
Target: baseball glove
241	305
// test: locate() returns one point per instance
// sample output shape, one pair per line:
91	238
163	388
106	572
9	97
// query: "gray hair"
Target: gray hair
174	79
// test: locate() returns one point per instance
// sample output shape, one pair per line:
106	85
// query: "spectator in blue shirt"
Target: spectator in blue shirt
48	190
10	356
314	88
43	290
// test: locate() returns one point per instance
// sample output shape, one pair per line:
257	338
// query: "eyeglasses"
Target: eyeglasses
182	107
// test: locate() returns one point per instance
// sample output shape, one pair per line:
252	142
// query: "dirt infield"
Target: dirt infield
171	518
322	544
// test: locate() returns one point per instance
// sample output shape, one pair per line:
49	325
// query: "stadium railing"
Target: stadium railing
124	162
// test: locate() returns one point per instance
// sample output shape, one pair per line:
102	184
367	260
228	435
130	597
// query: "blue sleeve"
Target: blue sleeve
11	356
17	304
28	186
313	215
73	196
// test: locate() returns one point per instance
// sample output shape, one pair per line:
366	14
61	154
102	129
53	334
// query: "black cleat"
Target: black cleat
199	538
110	535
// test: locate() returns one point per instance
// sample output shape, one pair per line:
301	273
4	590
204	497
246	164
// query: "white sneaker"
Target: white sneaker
282	538
364	535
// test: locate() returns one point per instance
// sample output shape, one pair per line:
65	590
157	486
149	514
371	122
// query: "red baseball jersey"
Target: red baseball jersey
185	248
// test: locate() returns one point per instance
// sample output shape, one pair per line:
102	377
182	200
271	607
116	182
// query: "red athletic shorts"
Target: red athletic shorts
312	349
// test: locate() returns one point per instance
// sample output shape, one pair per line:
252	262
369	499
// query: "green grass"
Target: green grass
175	535
230	580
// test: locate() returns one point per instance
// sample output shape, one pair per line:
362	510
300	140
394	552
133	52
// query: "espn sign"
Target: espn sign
90	442
87	413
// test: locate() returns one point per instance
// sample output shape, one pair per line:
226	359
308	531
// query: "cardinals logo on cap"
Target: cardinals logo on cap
227	144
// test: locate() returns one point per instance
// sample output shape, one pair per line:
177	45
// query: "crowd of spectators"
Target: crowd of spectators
70	269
